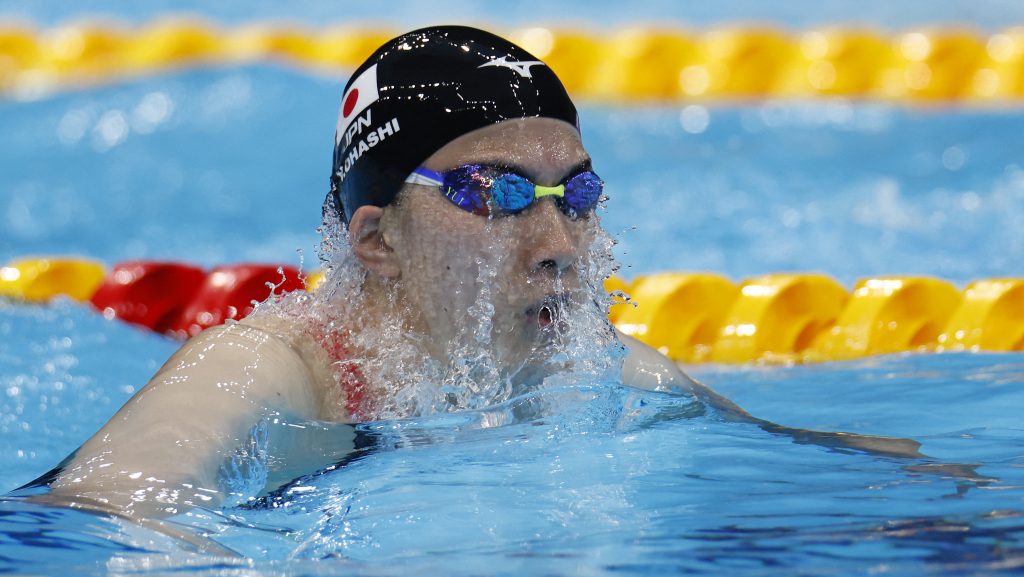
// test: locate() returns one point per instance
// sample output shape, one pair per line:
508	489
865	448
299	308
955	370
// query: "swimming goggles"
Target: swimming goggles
495	191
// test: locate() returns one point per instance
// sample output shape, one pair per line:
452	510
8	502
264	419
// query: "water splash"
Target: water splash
488	360
244	473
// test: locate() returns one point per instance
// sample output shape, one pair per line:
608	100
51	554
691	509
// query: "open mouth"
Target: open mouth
548	311
544	316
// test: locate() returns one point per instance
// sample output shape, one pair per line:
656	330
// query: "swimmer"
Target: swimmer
463	248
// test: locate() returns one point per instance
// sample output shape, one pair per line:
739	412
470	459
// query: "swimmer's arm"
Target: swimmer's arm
646	368
164	450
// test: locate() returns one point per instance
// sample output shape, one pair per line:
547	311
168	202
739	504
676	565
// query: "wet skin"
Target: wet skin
436	251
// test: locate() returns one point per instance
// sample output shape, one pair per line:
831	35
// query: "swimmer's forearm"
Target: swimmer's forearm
646	368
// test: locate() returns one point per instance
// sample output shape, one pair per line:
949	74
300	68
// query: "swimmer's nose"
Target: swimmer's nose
554	248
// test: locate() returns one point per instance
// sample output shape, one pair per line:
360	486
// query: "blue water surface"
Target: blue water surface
226	165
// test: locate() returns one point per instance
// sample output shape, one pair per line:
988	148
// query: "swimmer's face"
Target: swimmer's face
449	260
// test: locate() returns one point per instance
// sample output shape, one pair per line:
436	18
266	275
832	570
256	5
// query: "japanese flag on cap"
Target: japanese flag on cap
362	93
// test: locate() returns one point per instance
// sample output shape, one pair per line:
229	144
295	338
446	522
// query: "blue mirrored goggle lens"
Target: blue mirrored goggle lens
466	187
583	191
512	192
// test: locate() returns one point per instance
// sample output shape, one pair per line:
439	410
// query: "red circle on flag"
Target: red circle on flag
350	102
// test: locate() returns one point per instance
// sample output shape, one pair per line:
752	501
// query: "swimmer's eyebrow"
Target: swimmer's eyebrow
583	166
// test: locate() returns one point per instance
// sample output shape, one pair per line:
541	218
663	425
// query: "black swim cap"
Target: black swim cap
419	92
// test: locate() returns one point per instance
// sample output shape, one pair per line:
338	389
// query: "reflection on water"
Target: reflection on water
603	479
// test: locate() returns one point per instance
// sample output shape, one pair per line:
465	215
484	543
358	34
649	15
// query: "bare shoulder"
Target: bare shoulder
270	362
308	357
646	368
192	416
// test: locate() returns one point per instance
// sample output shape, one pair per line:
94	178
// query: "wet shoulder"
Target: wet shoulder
646	368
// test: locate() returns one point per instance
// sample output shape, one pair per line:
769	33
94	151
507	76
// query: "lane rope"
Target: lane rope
628	65
691	317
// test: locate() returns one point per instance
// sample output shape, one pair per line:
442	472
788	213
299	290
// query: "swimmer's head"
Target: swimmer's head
423	90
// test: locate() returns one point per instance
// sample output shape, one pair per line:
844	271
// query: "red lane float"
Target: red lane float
228	292
182	300
146	293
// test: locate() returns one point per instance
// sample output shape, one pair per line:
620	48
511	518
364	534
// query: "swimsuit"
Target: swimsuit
350	378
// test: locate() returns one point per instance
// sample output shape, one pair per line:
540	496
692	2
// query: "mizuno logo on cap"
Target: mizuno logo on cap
523	68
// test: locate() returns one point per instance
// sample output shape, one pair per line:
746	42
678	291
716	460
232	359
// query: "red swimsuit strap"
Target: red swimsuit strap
350	378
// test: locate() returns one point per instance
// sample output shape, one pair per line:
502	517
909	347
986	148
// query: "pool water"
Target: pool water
230	165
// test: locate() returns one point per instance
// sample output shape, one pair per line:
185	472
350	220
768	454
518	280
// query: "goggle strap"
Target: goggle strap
425	176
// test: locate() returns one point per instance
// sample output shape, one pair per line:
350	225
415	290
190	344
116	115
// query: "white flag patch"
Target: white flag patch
361	94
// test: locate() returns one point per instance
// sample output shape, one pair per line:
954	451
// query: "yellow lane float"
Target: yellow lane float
990	318
42	279
777	317
633	64
677	313
889	315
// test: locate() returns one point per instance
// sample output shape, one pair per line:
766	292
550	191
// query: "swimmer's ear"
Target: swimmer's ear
369	244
